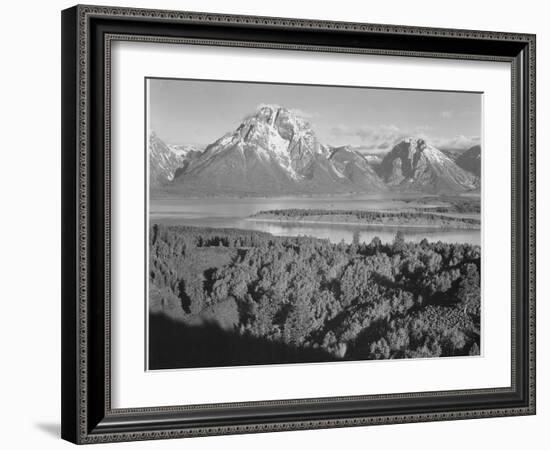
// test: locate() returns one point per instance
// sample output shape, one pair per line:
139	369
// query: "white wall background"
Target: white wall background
30	225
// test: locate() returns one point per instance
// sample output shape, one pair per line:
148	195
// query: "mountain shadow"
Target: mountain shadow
177	345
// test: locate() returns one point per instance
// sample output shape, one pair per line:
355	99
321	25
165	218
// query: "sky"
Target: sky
199	112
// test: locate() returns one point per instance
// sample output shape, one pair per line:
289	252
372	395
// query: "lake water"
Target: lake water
233	213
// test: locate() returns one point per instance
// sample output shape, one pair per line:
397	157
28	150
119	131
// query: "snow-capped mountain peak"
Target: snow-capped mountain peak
413	163
273	132
166	160
163	162
274	151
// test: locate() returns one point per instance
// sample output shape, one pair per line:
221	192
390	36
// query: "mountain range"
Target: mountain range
276	152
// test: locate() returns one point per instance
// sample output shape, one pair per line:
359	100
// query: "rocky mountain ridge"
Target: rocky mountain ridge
415	165
276	152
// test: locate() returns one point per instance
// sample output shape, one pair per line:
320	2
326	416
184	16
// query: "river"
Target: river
233	213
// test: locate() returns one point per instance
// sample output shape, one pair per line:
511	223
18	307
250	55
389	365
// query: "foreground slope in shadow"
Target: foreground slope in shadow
177	345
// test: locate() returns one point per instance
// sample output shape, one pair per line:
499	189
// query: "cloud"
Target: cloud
371	139
447	114
303	114
459	142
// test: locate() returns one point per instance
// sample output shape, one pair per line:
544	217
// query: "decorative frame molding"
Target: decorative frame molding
87	35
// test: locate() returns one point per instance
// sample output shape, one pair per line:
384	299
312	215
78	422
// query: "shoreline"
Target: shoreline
366	224
389	195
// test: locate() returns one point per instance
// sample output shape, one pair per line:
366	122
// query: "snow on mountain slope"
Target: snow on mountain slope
373	160
276	152
186	150
163	162
356	168
272	152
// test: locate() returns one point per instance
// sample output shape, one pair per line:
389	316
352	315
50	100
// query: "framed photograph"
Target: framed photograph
279	224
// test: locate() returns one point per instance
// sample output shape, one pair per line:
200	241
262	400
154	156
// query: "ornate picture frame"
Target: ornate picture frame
88	33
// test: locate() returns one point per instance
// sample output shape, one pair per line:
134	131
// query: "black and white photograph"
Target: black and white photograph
295	223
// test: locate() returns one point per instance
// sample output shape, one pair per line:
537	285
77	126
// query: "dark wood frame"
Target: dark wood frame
87	31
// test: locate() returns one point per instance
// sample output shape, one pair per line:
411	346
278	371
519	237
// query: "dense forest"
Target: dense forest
399	218
232	297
